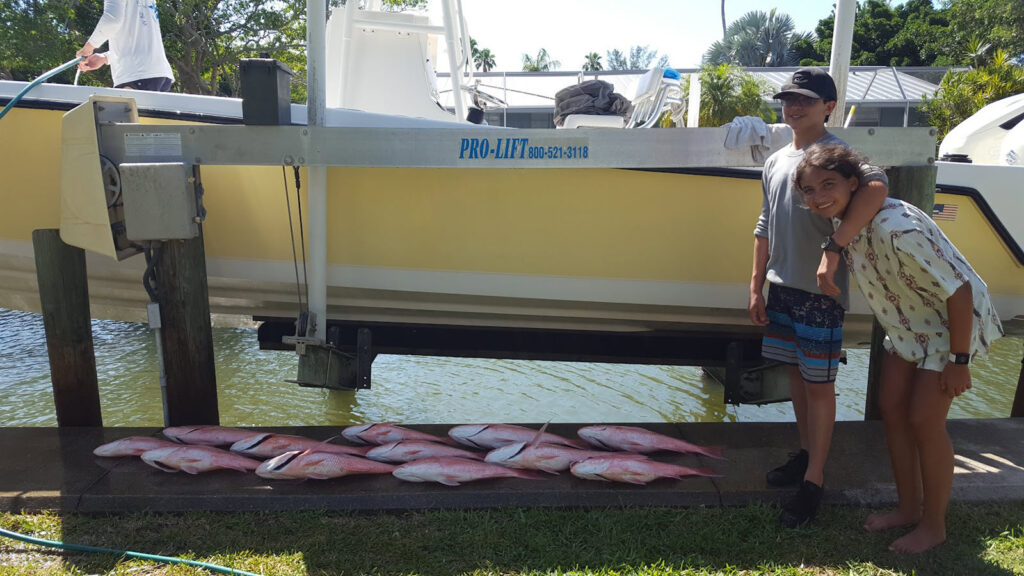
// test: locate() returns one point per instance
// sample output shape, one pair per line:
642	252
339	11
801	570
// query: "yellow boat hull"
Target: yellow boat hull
591	249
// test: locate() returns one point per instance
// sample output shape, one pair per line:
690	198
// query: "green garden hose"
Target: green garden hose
124	553
42	78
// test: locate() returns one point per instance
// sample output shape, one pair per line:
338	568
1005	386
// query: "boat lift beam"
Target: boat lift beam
313	146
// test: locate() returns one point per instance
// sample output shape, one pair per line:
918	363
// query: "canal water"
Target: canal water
253	389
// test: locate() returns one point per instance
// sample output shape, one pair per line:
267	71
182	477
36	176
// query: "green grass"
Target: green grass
984	539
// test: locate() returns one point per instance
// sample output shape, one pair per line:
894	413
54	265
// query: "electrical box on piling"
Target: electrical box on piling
159	201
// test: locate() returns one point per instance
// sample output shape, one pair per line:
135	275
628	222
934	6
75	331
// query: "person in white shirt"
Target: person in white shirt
937	316
136	54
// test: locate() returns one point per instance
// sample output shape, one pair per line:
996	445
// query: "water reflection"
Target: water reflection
253	388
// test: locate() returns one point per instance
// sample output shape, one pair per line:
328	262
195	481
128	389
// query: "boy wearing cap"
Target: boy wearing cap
798	252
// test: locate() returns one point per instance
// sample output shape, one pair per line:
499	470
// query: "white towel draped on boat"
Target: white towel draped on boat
749	131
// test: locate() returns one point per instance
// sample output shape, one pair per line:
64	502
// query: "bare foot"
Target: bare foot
888	520
918	541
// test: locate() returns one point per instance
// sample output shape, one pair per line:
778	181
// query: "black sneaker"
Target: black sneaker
790	473
802	507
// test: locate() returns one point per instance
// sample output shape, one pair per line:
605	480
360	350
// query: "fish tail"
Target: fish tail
712	452
705	471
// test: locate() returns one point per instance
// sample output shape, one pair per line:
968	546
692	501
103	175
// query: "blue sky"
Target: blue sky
569	29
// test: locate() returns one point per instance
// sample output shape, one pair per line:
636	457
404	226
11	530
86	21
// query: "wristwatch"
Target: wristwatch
829	245
959	358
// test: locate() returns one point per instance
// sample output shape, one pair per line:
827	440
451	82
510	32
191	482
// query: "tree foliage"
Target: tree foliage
911	34
962	93
482	59
757	39
36	36
592	62
617	60
640	58
999	23
541	63
203	39
726	91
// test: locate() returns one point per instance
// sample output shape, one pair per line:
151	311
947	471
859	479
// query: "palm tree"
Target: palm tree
976	51
593	62
757	39
727	91
723	20
484	60
542	63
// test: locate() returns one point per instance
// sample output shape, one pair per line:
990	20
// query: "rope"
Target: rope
45	76
123	553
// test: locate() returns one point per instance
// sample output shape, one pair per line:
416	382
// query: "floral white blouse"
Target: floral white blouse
907	268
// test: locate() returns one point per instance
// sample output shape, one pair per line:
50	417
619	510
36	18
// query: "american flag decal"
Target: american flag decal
946	212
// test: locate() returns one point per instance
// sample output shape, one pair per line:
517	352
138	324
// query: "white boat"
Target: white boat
590	250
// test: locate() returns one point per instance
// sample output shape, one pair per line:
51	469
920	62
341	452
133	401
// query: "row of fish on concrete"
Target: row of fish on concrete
470	452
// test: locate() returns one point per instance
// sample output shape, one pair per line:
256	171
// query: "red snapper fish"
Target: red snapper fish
207	435
385	433
409	450
196	459
268	445
132	446
547	457
311	464
633	470
490	436
454	471
635	439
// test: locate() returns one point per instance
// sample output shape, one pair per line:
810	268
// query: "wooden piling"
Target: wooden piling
872	410
64	295
915	185
1017	410
186	333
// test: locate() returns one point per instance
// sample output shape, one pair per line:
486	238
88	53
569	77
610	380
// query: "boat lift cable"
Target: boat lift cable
302	233
42	78
291	230
123	553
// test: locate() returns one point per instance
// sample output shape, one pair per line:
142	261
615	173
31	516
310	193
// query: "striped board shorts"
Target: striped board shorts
804	330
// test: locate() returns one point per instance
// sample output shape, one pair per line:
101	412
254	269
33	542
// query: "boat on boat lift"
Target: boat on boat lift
425	221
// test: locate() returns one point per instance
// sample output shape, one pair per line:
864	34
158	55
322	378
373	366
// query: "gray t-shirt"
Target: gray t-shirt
795	233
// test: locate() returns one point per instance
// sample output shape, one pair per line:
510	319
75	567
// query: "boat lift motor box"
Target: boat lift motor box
159	201
266	92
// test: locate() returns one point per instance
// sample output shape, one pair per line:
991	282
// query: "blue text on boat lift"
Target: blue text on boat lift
473	148
510	148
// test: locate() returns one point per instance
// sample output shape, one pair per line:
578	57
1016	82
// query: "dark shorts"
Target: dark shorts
151	84
804	330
